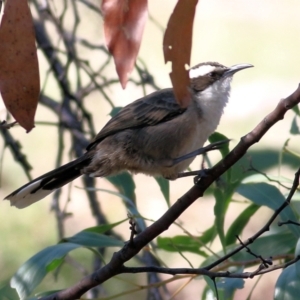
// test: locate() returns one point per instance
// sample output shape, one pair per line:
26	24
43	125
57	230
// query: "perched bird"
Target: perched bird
152	135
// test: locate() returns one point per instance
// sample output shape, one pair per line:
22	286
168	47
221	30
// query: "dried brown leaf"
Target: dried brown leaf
19	74
177	46
124	22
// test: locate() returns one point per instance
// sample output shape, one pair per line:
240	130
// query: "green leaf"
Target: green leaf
104	228
115	111
93	239
297	254
208	235
180	243
296	110
6	292
270	245
216	137
220	209
227	286
287	286
32	272
207	292
124	184
164	187
294	126
38	296
258	178
210	288
270	196
239	223
187	243
54	264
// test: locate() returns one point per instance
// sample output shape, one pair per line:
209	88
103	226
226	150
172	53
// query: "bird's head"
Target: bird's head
213	74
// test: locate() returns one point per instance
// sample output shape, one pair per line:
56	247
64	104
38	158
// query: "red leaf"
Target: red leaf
177	46
124	22
19	74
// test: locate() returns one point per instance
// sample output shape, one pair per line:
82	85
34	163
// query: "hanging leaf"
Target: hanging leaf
177	46
238	225
19	74
124	22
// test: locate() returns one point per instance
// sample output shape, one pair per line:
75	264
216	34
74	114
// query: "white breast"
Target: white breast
212	102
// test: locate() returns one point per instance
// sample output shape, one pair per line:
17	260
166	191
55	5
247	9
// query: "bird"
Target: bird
153	135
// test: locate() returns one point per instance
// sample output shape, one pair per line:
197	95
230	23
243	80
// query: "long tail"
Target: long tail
42	186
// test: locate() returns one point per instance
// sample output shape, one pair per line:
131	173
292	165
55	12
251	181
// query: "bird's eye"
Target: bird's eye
213	74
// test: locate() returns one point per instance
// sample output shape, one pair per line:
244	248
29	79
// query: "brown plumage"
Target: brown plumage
147	135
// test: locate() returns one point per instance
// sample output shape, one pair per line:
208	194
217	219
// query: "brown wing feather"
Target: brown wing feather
147	111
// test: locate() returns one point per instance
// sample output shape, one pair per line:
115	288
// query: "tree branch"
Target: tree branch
115	266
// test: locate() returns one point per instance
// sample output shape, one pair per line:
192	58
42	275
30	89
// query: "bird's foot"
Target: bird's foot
199	174
133	230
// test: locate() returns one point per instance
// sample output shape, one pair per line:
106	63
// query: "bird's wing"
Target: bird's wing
157	107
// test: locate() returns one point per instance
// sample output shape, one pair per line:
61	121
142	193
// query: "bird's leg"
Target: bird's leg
198	174
210	147
203	172
133	230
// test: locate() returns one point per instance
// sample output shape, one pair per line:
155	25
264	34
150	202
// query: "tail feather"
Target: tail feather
44	185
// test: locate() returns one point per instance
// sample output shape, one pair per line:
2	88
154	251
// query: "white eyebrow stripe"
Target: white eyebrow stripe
201	71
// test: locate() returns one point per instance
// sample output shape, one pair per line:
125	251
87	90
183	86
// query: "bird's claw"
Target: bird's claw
201	173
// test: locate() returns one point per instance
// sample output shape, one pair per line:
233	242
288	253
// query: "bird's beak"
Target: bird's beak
232	70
